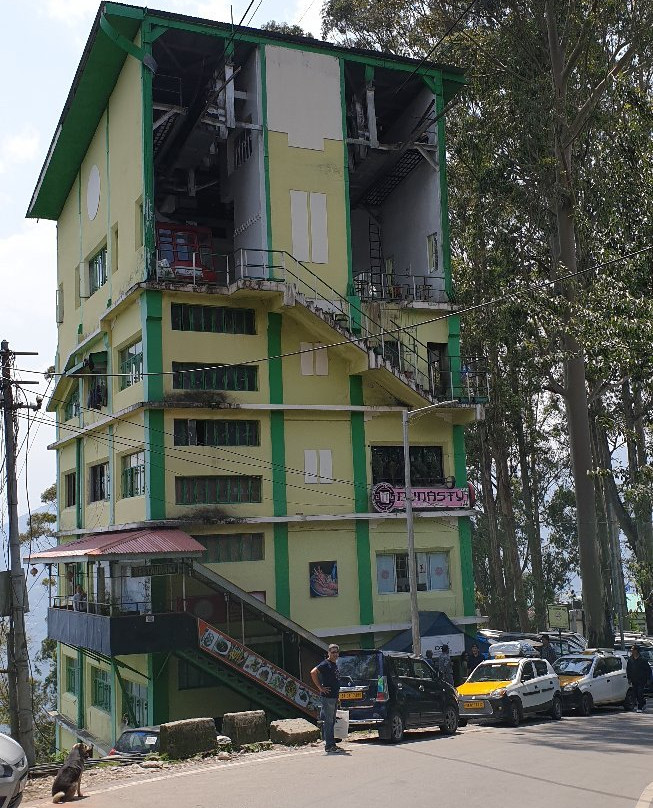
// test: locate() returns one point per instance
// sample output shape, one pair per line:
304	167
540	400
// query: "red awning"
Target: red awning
167	543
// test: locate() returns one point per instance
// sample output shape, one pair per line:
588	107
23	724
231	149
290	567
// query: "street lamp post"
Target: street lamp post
406	415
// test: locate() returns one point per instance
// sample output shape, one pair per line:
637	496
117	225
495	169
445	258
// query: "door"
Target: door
408	695
599	684
615	679
431	690
530	691
546	682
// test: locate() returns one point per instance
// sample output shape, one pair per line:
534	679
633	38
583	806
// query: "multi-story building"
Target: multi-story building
254	281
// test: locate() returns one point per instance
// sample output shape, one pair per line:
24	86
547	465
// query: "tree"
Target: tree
284	28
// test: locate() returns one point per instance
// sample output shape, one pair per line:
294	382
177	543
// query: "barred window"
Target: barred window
97	270
223	489
131	365
70	482
71	675
425	465
217	432
232	547
133	475
200	376
216	319
71	407
100	689
136	697
99	482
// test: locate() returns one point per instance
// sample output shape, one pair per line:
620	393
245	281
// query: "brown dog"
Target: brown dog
69	776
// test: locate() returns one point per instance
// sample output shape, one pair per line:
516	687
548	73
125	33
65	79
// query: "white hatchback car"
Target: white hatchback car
13	772
594	678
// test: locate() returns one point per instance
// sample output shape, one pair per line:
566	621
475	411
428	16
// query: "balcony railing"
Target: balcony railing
401	288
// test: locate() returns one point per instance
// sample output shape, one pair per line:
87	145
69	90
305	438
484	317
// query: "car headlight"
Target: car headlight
571	686
498	694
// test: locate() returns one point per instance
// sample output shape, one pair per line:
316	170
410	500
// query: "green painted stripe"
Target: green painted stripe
362	526
158	702
266	148
155	476
453	348
152	337
459	457
81	712
464	526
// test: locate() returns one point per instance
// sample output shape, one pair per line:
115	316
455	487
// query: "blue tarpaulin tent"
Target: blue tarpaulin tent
433	626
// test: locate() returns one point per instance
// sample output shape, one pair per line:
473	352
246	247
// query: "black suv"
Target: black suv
393	692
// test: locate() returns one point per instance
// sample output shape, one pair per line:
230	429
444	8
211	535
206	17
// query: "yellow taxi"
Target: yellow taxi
507	688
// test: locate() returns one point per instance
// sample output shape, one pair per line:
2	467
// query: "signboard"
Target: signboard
456	643
558	616
387	498
256	667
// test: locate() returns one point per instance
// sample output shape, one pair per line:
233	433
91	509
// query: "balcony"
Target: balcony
401	288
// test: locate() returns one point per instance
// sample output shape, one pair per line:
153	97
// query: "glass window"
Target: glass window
71	489
233	547
613	664
217	432
600	668
131	365
541	668
99	482
200	376
421	670
136	697
71	407
97	270
133	475
425	465
216	319
392	572
527	672
71	669
498	672
215	490
573	666
403	666
100	689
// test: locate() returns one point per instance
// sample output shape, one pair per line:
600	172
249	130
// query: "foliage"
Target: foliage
284	28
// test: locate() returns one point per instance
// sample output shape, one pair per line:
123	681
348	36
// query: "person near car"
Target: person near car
326	680
444	665
474	658
547	651
638	672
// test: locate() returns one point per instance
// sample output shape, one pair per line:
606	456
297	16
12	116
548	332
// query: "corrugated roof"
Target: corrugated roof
161	542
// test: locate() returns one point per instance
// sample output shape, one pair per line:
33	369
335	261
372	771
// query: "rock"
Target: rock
293	732
151	764
183	739
224	756
246	727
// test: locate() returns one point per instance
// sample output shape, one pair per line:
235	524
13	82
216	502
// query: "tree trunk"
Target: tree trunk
498	599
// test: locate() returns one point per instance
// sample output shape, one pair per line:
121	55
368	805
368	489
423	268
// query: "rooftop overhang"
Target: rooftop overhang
123	546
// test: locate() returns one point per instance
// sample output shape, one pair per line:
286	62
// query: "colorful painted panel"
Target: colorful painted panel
323	576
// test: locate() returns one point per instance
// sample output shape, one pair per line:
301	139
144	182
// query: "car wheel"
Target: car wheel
393	730
450	724
556	709
629	701
586	704
514	713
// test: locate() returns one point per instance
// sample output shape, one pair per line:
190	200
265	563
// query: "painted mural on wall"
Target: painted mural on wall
256	667
323	577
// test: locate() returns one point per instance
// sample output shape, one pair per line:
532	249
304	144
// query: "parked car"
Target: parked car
137	742
509	688
393	691
593	679
14	772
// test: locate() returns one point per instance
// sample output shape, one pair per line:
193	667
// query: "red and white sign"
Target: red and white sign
387	498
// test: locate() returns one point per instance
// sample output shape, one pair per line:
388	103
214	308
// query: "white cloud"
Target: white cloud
307	14
72	12
20	147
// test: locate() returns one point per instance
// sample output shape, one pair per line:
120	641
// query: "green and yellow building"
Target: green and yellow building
253	281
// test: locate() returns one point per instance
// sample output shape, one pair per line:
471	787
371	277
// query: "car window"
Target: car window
573	666
600	669
421	670
403	666
358	667
527	672
139	741
495	672
612	664
541	668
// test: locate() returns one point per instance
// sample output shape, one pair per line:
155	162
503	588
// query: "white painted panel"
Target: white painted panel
299	224
306	359
310	466
303	96
319	234
326	466
321	361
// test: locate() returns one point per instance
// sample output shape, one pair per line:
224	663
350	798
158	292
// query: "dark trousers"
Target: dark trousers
638	690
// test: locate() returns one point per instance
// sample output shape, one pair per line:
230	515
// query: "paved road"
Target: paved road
605	761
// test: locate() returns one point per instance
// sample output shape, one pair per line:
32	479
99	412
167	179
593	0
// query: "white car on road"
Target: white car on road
593	678
13	772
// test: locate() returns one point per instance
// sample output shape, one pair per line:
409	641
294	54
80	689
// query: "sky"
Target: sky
42	46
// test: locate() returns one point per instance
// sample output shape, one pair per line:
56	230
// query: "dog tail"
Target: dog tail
60	796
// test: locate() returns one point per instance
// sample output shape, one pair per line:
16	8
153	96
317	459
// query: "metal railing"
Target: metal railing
401	287
117	607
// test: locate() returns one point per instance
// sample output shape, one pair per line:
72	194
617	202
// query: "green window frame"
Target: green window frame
99	482
97	271
217	490
70	485
133	475
425	465
214	319
201	376
100	689
232	547
131	365
71	407
217	432
135	696
71	672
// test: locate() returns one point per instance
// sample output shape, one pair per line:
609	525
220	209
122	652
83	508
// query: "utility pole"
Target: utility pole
18	653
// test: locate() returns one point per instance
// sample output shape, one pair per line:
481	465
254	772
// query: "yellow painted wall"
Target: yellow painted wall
67	464
203	702
98	722
125	331
128	438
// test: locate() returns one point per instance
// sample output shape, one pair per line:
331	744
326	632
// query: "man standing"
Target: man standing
325	678
444	665
638	672
474	658
547	651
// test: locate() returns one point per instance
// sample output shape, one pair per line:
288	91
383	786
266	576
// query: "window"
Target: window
135	696
70	492
432	252
613	664
131	365
318	466
133	475
541	668
425	465
216	319
71	407
217	490
421	670
217	432
308	215
97	271
71	671
99	482
199	376
314	359
100	689
232	547
97	383
191	678
527	672
392	572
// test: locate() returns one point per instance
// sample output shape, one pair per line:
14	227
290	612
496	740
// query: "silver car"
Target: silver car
13	772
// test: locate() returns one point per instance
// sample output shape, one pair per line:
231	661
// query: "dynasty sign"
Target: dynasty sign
387	498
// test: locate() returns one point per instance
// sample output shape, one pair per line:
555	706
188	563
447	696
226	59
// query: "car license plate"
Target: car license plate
473	705
355	694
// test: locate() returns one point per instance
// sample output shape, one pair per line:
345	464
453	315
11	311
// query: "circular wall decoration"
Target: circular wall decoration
93	193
